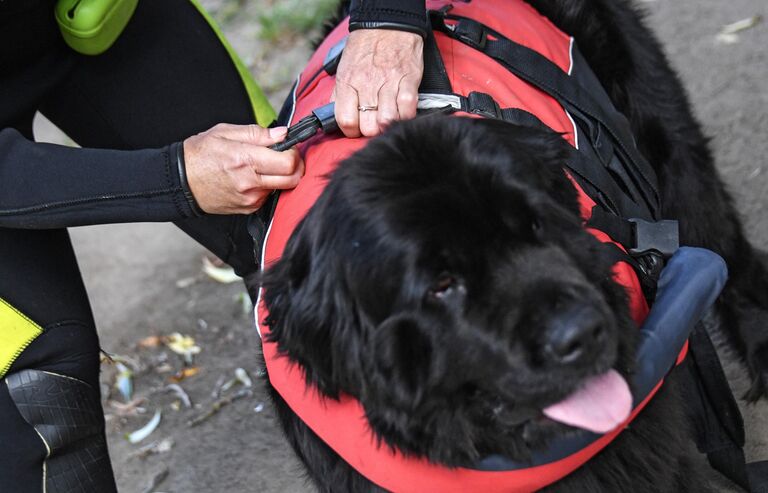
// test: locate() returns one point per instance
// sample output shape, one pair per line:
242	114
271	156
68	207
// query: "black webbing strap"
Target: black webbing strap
717	421
615	206
542	73
594	178
758	476
637	236
435	79
714	413
518	116
609	195
480	103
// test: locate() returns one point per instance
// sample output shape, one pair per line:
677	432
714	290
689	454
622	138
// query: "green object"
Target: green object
262	110
16	333
90	27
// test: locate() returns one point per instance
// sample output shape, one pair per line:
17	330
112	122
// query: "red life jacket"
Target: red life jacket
342	424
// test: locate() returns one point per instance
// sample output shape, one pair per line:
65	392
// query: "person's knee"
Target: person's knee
68	348
66	413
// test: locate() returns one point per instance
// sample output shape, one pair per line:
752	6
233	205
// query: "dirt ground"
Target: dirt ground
146	279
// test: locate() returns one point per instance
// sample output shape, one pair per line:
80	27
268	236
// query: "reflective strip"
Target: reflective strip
428	101
262	110
16	333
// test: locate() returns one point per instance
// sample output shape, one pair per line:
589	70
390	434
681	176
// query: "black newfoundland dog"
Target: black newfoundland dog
414	282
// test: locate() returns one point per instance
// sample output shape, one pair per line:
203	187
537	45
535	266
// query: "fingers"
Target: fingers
388	111
368	124
271	170
346	109
396	100
379	68
264	161
408	97
254	190
252	134
278	182
229	176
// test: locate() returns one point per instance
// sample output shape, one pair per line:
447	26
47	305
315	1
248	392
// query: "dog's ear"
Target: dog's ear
411	379
312	315
402	361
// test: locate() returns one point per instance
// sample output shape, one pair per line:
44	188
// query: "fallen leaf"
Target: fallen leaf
132	408
163	368
246	306
157	447
241	378
729	32
184	373
224	275
145	430
151	341
111	359
124	381
183	345
180	393
218	405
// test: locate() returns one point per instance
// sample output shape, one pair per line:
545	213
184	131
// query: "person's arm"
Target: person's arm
224	170
381	66
52	186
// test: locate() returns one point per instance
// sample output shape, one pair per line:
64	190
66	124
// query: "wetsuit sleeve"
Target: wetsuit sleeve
403	15
46	186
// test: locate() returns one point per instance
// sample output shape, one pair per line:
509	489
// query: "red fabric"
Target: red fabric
341	424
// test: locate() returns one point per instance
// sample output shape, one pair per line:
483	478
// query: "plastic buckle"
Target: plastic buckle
471	32
437	17
332	58
483	104
327	118
661	237
299	132
651	264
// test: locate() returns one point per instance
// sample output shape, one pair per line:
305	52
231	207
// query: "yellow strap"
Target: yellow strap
16	333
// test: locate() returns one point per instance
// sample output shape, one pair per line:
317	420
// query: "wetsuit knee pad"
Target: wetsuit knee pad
51	375
66	414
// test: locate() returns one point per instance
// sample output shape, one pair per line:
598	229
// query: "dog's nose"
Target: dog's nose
573	335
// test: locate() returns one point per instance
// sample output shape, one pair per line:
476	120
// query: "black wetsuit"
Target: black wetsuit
167	77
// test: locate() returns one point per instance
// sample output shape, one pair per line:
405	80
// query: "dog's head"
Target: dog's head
445	280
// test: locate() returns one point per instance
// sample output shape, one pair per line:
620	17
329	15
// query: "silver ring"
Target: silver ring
364	108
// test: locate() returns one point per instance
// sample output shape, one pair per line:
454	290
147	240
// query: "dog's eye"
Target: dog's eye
535	225
444	287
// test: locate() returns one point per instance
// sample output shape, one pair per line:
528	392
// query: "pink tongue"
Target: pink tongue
602	404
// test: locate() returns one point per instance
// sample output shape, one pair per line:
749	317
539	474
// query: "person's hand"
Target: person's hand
231	171
378	80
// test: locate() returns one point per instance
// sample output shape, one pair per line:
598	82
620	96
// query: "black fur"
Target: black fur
413	281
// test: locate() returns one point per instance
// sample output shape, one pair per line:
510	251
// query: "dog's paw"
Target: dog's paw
757	361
